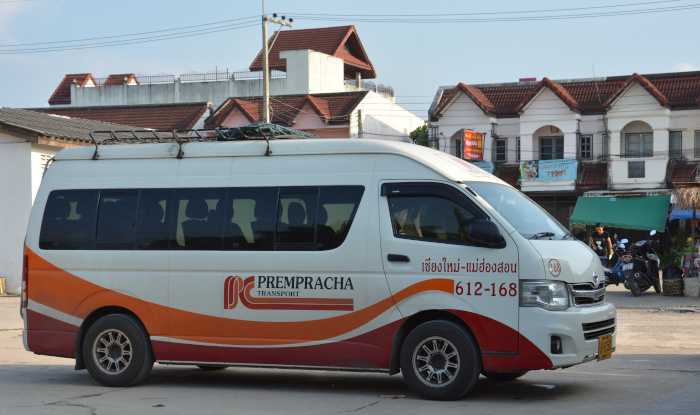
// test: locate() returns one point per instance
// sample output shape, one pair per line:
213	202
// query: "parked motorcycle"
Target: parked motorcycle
614	267
641	264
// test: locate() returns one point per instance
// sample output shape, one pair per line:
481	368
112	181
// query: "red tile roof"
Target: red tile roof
62	94
157	116
683	173
558	90
510	175
330	108
672	90
341	42
593	177
120	79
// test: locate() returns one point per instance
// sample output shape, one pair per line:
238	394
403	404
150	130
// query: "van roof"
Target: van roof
451	167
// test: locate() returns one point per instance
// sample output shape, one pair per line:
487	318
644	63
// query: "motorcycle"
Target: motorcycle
641	267
614	267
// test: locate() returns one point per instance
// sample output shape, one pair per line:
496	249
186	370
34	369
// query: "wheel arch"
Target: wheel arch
414	321
90	320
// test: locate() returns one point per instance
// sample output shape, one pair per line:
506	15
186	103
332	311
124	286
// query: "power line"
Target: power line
455	18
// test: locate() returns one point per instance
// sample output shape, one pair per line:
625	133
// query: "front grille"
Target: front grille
594	330
587	294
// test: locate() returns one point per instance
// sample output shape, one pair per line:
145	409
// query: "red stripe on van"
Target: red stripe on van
50	336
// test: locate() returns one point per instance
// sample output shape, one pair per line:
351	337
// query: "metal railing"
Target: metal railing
201	77
371	86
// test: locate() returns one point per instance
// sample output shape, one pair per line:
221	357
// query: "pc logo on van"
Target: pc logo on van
236	290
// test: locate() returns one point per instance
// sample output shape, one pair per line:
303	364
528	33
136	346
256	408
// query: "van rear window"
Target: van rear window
209	219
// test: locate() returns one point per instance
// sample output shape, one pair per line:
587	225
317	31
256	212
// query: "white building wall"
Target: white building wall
464	113
308	72
547	109
384	120
15	206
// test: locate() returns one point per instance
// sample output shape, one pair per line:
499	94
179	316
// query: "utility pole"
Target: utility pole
266	62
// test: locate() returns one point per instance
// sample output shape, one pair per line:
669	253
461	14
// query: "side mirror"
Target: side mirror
653	232
485	232
624	241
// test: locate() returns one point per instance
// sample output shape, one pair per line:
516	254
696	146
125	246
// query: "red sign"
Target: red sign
473	145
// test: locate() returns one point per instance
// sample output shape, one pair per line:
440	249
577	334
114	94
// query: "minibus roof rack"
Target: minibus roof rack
255	131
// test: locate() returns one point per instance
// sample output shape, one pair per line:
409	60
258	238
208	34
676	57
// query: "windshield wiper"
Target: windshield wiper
542	235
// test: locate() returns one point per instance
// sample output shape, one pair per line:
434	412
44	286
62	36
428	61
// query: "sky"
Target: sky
415	46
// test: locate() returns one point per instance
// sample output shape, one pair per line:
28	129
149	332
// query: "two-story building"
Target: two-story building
613	137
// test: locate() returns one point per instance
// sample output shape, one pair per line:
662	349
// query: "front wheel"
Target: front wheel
440	360
634	286
117	351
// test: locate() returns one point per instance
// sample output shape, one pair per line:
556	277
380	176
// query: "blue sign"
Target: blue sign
548	170
483	165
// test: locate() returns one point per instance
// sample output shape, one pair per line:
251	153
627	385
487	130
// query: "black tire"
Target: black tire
634	287
440	360
211	368
503	376
117	351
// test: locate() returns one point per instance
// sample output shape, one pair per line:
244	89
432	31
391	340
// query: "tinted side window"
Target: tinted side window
199	224
116	220
250	219
69	220
429	217
152	230
296	222
337	207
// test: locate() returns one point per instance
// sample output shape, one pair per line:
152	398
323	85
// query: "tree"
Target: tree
420	135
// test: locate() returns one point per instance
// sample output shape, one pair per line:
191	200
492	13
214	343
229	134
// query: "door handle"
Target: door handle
397	258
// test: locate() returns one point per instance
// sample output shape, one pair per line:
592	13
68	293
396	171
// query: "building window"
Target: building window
635	169
44	159
517	149
697	144
551	148
501	148
674	143
639	145
459	148
586	147
605	147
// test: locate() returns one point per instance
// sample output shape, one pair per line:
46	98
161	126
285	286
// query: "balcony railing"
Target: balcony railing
201	77
371	86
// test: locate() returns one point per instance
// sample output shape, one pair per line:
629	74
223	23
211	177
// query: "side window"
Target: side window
69	220
429	217
249	219
337	208
152	230
296	219
116	221
199	219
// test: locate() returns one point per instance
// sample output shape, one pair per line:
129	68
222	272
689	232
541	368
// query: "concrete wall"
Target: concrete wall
15	206
308	72
384	120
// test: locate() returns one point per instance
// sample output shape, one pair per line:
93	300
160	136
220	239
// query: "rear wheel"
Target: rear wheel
440	360
634	286
117	351
503	376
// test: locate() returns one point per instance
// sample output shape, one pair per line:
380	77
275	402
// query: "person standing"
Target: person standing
600	242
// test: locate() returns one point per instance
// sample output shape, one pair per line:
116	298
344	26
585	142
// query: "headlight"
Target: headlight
550	295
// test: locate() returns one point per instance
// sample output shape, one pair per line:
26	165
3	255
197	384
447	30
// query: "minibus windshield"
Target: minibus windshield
528	218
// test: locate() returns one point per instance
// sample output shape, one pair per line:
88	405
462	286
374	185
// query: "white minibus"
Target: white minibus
340	254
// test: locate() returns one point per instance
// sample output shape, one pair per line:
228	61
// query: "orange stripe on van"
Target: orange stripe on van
72	295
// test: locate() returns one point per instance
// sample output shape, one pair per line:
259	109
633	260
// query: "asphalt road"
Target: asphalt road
655	370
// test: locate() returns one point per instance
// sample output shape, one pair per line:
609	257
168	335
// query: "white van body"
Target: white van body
437	303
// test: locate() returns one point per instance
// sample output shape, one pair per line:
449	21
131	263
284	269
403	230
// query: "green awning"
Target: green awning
627	212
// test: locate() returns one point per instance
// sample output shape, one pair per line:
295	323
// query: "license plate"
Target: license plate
605	346
627	267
